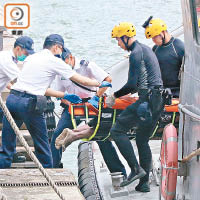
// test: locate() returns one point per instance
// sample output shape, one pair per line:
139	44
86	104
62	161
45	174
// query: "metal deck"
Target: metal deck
129	193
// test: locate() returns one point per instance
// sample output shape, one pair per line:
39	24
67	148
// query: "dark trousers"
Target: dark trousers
127	120
19	108
64	122
111	157
107	149
1	115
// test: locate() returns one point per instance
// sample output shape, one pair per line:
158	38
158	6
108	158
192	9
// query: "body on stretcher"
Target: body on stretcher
103	118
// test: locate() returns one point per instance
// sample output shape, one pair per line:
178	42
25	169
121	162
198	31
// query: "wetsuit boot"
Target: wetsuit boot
134	175
125	147
143	187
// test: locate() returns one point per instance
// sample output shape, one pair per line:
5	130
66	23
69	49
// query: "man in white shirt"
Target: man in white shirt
9	70
27	102
8	60
91	70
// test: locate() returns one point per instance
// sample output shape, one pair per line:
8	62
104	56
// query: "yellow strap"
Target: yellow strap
114	119
173	118
154	132
98	122
86	114
72	117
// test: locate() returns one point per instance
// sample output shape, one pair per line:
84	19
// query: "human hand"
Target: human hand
73	98
94	101
105	84
110	100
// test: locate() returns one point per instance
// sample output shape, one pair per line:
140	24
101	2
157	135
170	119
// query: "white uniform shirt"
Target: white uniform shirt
39	70
91	71
8	68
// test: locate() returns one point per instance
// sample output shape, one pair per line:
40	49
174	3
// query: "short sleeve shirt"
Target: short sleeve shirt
8	68
92	70
39	70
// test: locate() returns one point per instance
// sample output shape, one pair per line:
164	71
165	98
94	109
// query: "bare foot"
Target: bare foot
68	139
60	139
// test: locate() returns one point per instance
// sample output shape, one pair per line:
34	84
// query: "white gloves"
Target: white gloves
110	100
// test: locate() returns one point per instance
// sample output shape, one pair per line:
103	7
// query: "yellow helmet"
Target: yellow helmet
124	28
155	27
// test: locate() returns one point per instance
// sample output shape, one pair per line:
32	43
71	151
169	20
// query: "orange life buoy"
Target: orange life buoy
169	162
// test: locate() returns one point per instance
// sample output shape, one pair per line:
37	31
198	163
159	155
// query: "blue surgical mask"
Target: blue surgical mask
21	58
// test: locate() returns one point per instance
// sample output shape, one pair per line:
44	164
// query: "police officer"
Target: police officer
143	77
26	101
8	60
91	70
9	69
169	51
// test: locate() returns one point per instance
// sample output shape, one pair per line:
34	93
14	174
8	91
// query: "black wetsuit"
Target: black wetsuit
170	57
144	74
141	77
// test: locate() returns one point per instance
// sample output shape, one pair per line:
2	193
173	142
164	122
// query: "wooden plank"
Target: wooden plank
38	192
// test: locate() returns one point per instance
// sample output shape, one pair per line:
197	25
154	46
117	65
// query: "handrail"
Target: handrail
186	109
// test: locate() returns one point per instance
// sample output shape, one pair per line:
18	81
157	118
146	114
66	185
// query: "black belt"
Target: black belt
144	92
22	94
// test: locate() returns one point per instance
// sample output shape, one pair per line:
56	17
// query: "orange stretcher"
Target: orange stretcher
85	111
120	103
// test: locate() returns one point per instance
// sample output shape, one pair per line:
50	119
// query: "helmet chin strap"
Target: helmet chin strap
163	39
125	43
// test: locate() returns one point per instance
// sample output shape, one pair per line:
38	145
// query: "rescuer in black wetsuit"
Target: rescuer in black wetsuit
169	51
144	77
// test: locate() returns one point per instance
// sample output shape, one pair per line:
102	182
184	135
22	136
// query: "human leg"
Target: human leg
124	123
145	156
68	136
111	157
36	124
64	122
8	148
8	143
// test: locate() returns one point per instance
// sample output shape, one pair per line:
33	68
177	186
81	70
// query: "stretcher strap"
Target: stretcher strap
154	132
72	117
98	122
114	119
173	118
86	114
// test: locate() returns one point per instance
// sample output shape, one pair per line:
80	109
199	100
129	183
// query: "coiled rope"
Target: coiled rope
30	153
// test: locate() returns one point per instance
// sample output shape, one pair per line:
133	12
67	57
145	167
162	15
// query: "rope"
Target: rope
30	153
191	155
